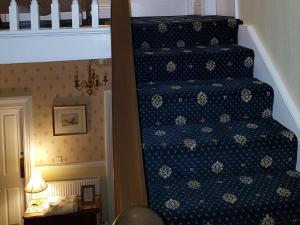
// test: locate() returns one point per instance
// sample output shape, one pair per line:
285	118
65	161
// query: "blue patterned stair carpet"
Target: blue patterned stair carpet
213	154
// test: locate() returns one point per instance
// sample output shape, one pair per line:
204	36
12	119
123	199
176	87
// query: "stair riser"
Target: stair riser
193	66
218	104
285	214
235	160
162	35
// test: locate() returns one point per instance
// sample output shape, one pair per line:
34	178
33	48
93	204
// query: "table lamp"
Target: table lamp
36	185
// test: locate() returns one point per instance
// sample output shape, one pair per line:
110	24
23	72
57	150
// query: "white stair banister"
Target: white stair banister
197	5
13	16
237	9
95	13
55	16
75	14
35	15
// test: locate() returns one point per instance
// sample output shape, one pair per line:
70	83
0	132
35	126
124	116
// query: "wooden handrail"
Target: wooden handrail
129	179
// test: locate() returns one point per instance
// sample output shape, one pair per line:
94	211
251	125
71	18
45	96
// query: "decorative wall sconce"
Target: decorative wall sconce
92	84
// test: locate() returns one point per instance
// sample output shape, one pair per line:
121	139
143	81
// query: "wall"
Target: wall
225	7
278	24
52	84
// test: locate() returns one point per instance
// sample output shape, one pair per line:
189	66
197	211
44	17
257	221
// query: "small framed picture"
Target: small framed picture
69	120
88	196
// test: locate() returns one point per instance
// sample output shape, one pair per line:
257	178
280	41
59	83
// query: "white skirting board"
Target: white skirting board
285	110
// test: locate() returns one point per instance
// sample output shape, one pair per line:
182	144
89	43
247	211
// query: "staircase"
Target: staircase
213	154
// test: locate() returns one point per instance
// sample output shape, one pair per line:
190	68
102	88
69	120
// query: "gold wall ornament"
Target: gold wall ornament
92	84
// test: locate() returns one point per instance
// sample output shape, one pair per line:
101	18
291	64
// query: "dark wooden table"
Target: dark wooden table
84	216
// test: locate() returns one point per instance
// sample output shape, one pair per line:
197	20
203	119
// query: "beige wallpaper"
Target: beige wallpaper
278	25
52	84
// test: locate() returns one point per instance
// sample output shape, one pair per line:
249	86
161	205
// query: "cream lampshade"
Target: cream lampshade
36	184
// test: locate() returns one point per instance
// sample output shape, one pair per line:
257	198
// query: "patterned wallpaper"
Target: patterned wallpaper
52	84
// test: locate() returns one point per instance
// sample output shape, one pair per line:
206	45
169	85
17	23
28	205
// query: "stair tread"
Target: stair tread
203	100
193	30
200	62
216	132
200	49
178	19
233	148
195	200
207	86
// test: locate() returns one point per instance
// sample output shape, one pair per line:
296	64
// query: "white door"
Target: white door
11	151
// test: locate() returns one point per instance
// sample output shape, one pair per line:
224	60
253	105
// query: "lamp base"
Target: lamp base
36	202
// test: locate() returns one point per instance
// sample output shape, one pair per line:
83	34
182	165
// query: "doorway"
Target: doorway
15	157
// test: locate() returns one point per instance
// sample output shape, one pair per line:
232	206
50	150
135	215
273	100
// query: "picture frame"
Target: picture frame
69	120
88	195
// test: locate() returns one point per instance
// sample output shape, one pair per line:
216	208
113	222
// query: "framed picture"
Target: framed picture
88	196
69	120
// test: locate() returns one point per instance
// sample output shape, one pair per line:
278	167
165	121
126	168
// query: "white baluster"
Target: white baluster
197	7
209	7
237	9
75	14
95	14
34	15
13	16
55	14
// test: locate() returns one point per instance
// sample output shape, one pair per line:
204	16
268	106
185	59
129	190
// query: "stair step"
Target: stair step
193	63
195	101
149	32
217	149
213	154
260	199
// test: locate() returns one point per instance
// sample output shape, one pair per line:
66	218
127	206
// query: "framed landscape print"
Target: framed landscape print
69	120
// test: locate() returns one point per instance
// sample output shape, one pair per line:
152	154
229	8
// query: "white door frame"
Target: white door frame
24	104
109	156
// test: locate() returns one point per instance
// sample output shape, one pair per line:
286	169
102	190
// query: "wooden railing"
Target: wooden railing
129	180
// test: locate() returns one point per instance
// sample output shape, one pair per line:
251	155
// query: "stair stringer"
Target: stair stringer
284	109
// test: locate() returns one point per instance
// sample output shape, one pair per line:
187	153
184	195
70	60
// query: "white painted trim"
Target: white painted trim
24	103
109	155
285	110
72	165
54	33
61	45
